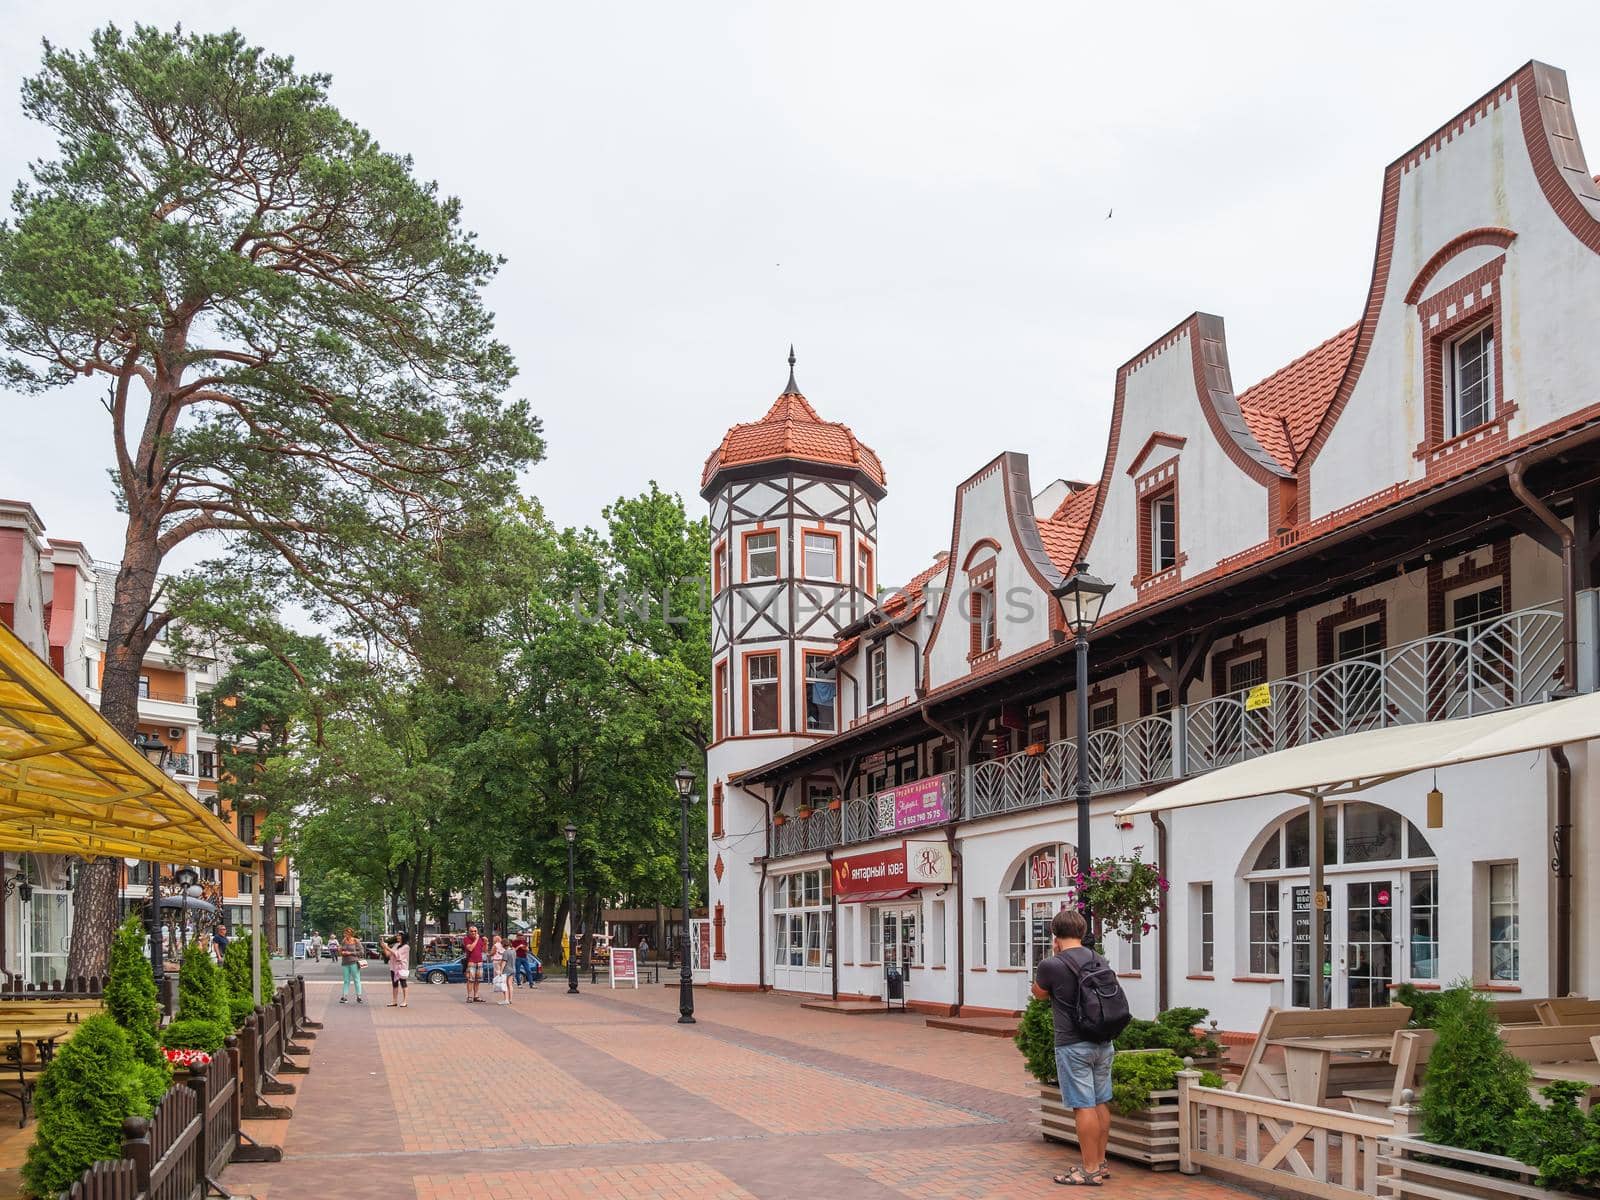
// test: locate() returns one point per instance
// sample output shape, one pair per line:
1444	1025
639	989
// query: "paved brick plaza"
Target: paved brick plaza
604	1094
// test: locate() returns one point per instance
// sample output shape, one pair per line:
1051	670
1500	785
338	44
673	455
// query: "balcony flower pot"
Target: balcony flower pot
780	819
1034	748
805	814
835	805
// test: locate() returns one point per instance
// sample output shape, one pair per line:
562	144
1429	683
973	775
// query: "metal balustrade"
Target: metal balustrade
1503	662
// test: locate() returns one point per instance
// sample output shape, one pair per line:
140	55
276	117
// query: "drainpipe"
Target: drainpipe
833	927
1161	914
916	659
1561	860
956	862
761	900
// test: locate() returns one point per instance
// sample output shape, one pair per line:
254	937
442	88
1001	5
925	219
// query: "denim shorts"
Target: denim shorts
1084	1069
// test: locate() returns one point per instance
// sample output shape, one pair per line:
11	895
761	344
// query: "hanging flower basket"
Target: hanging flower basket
805	814
780	819
1034	749
1123	894
835	804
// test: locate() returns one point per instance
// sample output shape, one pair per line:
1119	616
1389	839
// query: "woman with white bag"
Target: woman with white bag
504	957
398	952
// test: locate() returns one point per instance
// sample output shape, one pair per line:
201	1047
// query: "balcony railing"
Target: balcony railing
1503	662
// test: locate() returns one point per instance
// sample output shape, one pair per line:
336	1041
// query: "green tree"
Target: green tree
131	993
289	326
1475	1086
333	898
90	1087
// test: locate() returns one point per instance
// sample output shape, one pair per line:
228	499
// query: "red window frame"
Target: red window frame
719	567
805	555
864	568
805	698
721	699
744	554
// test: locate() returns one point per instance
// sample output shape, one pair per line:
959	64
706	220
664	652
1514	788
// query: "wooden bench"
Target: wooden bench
1261	1077
1516	1012
1568	1010
1409	1057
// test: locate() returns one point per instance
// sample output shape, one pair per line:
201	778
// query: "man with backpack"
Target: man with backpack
1088	1008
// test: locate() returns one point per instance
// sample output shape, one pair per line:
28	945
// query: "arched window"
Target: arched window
1040	887
1380	914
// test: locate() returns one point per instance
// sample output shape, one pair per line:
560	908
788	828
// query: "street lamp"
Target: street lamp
572	960
685	781
153	748
188	881
1081	597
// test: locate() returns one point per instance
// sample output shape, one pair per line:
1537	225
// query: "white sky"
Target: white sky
915	194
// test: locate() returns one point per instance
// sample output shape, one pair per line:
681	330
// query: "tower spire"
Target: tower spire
793	389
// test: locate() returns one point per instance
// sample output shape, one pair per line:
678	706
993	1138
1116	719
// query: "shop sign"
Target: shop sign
912	805
928	863
1042	870
876	872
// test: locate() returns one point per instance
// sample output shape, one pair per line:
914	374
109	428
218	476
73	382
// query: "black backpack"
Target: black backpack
1102	1009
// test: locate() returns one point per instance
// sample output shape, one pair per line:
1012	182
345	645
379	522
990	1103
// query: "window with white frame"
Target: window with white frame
1471	608
899	934
877	674
721	568
1265	944
1471	361
821	556
761	556
1424	924
980	931
1203	918
1504	965
762	671
864	568
1042	886
801	916
1163	521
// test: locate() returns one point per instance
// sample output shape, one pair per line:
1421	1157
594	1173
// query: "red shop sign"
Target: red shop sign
876	872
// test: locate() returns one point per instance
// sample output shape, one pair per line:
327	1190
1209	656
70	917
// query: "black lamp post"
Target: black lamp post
685	781
1081	597
572	959
153	748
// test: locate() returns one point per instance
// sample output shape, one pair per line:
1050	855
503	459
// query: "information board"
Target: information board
624	965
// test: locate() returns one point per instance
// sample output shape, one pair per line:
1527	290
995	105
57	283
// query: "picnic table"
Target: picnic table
1306	1060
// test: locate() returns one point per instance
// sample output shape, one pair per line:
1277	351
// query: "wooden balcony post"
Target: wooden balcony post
1186	1080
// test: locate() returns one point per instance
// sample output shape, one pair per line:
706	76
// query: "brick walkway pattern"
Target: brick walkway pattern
605	1095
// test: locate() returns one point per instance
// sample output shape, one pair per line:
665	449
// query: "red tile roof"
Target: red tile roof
1062	531
904	602
791	429
1284	409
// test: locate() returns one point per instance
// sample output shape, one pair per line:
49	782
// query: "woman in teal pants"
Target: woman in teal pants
350	951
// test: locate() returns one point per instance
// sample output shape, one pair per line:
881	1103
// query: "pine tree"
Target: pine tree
131	994
90	1087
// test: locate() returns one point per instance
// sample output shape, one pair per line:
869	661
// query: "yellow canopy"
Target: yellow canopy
71	784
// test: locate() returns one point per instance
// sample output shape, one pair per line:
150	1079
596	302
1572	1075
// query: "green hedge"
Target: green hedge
1136	1075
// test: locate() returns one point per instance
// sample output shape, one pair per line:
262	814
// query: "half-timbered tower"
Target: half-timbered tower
794	541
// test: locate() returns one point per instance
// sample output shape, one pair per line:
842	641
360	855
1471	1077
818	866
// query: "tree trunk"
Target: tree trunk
550	939
547	919
94	900
488	897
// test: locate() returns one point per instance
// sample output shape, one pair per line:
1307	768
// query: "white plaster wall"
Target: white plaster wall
1550	290
1221	510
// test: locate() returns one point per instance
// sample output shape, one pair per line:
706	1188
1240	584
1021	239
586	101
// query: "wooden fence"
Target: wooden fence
113	1179
1297	1148
167	1151
82	987
1421	1170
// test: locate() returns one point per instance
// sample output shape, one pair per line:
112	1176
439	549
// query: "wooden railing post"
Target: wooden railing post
1186	1124
136	1149
199	1082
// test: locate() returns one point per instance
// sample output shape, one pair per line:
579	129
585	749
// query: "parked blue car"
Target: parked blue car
455	971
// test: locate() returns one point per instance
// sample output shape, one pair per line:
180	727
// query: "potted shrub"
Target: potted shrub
1173	1030
1034	749
1144	1096
779	819
1476	1131
805	812
204	1019
835	804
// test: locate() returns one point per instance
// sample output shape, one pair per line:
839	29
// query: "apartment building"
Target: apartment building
1397	528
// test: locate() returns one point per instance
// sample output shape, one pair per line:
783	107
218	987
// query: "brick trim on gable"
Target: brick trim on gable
1445	316
1487	236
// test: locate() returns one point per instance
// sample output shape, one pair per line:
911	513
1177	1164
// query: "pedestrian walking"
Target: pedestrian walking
398	951
472	950
332	948
644	946
1088	1009
524	959
350	952
219	943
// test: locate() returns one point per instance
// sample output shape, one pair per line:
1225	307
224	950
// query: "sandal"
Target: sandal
391	1005
1103	1174
1077	1177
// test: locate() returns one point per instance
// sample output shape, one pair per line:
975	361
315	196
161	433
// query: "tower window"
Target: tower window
821	555
722	701
864	579
719	569
762	672
821	692
761	556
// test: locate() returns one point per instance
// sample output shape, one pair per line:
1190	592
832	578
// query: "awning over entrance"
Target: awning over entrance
878	897
1359	761
70	784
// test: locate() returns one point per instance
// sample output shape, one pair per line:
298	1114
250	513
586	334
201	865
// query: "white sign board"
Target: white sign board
700	945
624	966
928	863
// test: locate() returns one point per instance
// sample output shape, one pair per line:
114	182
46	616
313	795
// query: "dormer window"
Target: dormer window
985	630
1472	380
760	556
1162	521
